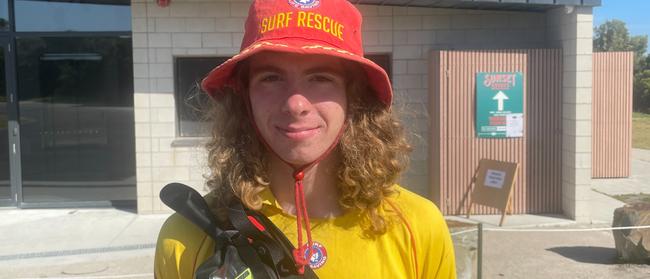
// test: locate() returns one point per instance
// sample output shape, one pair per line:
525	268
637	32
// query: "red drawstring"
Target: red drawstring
301	216
299	193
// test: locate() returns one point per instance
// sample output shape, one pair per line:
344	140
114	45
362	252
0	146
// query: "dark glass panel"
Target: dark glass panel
189	100
5	189
383	60
52	16
77	126
4	15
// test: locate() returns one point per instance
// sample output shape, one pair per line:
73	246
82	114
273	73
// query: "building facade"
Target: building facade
174	45
166	36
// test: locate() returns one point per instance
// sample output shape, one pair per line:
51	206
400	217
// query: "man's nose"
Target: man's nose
296	104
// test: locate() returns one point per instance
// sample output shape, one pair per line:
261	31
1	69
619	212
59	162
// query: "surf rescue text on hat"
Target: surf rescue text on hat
303	20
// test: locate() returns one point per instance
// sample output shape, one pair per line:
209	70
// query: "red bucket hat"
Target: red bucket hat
328	27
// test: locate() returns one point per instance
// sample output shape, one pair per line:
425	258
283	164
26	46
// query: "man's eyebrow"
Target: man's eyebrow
315	69
265	68
326	69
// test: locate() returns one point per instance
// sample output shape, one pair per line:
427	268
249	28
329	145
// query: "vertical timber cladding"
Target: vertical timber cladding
612	114
456	150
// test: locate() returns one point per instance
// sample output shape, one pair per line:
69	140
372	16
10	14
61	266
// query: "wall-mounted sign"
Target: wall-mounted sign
499	105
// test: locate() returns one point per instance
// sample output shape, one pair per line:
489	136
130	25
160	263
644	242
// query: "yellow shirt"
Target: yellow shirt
419	246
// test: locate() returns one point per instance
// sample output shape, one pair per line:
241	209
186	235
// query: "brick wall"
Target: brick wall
571	30
211	28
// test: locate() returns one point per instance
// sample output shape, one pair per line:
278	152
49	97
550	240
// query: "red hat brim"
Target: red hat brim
222	75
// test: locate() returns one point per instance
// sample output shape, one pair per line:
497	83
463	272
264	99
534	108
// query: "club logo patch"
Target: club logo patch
318	256
305	4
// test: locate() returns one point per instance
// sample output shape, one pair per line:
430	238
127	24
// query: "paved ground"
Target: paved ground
84	243
638	182
125	264
555	255
109	243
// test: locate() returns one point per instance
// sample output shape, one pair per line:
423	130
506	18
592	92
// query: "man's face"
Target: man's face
299	103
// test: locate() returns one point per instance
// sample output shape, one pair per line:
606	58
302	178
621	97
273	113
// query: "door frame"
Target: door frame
8	48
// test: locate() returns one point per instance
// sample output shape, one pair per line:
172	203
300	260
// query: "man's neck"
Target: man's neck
321	191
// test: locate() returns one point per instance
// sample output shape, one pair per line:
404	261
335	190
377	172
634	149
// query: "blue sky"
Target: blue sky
635	13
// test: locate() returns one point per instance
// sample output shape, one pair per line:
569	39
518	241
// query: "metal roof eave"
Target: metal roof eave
512	5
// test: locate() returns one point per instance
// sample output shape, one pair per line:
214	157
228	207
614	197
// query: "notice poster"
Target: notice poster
515	125
495	178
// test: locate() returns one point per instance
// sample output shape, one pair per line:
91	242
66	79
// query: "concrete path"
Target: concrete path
638	182
87	243
532	255
603	205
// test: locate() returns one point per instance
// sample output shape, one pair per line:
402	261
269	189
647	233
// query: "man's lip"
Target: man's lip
298	133
296	129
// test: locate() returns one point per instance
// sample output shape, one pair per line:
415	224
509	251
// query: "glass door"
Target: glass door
6	197
77	136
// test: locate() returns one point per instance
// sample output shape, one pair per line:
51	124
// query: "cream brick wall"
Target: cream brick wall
571	29
185	28
215	27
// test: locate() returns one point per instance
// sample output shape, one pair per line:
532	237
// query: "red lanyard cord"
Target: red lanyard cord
302	216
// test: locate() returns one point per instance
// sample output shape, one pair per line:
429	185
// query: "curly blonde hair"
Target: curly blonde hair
373	150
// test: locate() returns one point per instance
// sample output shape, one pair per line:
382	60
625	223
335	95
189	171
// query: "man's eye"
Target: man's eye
270	78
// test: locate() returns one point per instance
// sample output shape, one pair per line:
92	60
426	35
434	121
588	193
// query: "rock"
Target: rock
632	245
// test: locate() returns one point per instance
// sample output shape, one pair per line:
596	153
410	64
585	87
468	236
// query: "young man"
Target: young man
303	133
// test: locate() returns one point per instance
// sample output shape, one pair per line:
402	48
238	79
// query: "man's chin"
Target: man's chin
300	157
299	161
300	154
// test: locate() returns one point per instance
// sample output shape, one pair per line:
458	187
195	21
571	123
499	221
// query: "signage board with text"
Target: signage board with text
499	105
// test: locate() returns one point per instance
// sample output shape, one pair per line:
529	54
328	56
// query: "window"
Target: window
4	15
77	15
189	99
383	60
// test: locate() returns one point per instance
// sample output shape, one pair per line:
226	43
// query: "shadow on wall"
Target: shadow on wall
588	254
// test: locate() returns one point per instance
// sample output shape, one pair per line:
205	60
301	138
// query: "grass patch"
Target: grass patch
641	130
633	198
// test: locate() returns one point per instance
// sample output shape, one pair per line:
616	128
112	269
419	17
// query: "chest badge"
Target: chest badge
318	256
